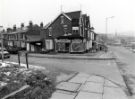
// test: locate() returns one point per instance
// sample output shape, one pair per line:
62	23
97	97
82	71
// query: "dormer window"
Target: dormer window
62	19
50	31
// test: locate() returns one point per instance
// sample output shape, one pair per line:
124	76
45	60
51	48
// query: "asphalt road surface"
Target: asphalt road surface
125	56
106	68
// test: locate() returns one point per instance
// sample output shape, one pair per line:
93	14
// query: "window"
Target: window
50	31
21	36
75	31
75	22
62	19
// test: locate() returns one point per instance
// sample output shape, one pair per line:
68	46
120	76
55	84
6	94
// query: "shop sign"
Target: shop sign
76	41
64	40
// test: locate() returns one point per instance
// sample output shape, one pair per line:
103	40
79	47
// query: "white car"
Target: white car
5	53
133	50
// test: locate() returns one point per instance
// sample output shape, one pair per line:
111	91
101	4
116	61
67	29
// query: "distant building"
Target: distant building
15	38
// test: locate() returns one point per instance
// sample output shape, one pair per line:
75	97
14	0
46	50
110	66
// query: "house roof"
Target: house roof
68	15
33	38
46	26
19	30
74	15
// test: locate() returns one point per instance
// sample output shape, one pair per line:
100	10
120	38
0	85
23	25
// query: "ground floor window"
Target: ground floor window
10	43
23	44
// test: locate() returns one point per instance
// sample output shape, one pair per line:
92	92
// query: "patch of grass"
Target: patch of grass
42	84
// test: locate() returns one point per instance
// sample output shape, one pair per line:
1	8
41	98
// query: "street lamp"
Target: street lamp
106	22
1	28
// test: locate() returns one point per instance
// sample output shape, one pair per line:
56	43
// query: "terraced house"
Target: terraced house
15	37
69	32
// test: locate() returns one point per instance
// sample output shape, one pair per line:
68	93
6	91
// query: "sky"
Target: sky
22	11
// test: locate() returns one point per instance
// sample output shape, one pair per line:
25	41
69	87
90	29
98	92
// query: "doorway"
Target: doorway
67	45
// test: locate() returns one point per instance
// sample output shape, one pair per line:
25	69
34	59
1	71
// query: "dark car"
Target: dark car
13	49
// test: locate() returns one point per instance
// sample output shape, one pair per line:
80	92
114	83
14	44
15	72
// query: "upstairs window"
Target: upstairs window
50	31
62	19
75	31
21	36
75	22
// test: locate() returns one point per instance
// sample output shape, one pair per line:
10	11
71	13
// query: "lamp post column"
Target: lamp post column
2	44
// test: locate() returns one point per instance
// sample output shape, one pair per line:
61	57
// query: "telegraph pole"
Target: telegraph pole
106	25
2	44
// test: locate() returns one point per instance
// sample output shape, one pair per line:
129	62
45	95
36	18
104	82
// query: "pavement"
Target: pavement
96	56
85	86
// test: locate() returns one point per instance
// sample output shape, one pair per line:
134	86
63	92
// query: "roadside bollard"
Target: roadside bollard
25	54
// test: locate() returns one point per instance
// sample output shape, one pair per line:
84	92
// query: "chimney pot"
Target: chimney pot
41	24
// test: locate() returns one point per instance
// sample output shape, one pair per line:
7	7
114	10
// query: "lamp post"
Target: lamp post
106	23
1	43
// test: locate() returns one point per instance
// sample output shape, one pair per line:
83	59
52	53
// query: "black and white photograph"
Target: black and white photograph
67	49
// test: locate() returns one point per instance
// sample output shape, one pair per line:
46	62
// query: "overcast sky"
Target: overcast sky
18	11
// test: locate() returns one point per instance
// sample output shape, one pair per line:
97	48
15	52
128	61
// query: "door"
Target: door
67	45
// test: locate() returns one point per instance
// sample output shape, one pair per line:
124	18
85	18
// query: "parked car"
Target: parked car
14	49
5	53
133	50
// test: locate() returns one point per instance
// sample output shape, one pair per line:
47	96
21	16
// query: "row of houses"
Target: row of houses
69	32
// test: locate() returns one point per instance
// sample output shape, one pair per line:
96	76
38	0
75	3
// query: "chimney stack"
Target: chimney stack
14	28
9	30
41	24
30	23
22	25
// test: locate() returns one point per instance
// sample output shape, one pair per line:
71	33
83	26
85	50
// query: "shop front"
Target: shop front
63	45
70	44
78	46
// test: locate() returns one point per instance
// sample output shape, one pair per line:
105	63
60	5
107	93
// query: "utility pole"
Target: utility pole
2	43
61	8
106	25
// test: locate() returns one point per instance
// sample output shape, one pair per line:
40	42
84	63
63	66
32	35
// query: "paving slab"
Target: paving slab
87	95
68	86
96	79
79	78
110	84
92	87
114	93
57	95
83	75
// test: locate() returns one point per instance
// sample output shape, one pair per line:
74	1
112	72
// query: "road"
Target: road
126	57
126	64
106	68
